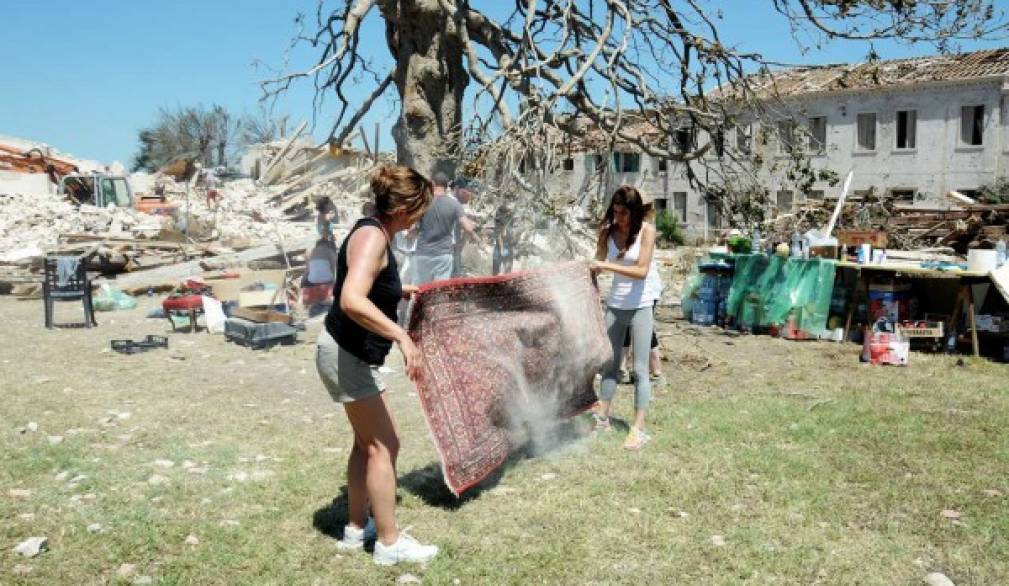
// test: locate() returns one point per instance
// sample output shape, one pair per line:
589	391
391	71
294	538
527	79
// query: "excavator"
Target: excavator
103	190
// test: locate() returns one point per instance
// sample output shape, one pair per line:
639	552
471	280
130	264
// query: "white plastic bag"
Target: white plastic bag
213	312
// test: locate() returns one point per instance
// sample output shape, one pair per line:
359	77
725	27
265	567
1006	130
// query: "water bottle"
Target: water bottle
796	250
150	291
1000	252
755	242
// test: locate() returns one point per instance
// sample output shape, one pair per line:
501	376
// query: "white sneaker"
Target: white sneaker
406	549
355	537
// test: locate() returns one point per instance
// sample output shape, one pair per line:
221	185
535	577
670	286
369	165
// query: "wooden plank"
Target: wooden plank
911	270
171	275
266	177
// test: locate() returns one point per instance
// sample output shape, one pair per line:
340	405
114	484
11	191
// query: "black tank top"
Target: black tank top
385	293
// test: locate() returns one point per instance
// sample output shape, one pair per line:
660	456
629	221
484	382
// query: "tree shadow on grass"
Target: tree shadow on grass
428	484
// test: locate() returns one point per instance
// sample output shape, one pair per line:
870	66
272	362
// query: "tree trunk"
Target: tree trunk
431	81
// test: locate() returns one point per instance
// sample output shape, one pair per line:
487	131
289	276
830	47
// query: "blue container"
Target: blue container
707	304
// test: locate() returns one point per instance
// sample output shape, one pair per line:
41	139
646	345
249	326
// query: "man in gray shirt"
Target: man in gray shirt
436	234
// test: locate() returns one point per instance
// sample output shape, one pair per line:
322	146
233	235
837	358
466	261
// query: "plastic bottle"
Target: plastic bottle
796	250
1000	250
755	242
150	291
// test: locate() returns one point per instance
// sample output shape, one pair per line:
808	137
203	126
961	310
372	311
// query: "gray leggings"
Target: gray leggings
640	323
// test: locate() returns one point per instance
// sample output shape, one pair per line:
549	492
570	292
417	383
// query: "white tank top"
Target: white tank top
628	293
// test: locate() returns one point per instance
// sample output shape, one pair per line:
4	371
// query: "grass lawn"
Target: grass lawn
772	462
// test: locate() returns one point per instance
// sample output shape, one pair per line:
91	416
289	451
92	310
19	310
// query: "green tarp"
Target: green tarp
767	290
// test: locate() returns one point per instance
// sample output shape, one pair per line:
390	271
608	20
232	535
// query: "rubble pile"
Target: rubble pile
959	226
31	224
200	217
237	210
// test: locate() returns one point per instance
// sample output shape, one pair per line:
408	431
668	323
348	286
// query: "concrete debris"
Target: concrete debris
32	547
202	217
96	528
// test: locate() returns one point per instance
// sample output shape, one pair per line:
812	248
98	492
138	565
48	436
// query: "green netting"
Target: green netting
767	290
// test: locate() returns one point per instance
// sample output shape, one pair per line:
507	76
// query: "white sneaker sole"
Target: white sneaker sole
379	562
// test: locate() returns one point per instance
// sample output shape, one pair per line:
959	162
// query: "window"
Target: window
866	131
972	125
817	134
627	162
718	142
714	218
743	134
122	193
814	194
686	140
115	193
786	136
569	164
661	204
661	165
784	200
907	123
680	205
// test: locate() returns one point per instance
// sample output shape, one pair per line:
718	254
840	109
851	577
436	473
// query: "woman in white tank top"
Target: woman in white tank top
625	247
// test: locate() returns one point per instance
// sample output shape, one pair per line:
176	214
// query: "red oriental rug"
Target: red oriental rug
501	349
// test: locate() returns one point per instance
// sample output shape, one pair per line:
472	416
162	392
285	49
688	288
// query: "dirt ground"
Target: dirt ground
773	461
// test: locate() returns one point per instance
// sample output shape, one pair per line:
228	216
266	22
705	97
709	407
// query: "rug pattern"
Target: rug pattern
531	341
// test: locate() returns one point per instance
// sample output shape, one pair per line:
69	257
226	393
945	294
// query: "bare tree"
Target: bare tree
541	73
263	127
193	133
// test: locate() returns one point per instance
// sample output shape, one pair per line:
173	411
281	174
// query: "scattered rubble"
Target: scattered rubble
955	226
205	217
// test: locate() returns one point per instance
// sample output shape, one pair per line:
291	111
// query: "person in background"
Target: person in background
320	274
360	330
435	253
504	239
325	218
625	247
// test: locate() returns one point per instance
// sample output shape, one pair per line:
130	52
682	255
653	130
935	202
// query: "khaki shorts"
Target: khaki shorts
347	377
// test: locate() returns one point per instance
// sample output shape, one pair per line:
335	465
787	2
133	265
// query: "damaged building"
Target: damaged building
912	130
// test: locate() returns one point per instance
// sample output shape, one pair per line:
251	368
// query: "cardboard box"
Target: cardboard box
231	289
876	238
262	316
266	298
921	330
